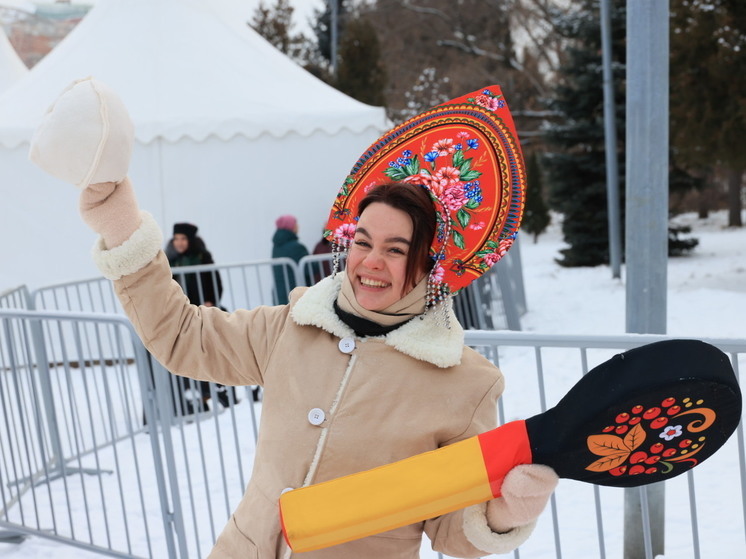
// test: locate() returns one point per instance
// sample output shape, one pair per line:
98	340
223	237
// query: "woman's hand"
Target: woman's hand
86	138
525	492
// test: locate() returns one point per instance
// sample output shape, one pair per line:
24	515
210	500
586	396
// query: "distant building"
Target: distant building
34	33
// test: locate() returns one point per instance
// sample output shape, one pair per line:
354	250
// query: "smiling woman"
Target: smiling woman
350	361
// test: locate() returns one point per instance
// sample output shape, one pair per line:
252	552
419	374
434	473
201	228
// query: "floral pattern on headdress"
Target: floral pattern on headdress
466	154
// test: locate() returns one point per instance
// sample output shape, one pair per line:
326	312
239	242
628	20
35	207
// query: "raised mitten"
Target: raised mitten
525	492
86	136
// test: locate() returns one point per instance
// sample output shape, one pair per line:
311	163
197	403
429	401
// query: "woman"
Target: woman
285	244
364	368
186	248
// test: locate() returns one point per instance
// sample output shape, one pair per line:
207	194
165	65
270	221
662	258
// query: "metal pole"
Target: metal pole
612	171
334	18
646	232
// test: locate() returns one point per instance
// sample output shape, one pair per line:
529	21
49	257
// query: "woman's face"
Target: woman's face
181	243
377	260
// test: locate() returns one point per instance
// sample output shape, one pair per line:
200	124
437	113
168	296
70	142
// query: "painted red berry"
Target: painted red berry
622	417
636	469
658	422
657	448
651	470
652	413
618	471
609	428
673	410
652	459
638	456
685	443
635	420
669	452
621	430
637	409
668	402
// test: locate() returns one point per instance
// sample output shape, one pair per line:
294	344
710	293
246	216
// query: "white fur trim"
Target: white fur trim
481	536
316	307
423	338
427	339
133	254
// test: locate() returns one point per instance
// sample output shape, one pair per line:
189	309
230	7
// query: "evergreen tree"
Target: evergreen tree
535	213
274	23
360	73
322	28
576	171
708	90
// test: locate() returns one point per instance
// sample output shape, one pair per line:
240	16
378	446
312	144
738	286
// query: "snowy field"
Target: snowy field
706	299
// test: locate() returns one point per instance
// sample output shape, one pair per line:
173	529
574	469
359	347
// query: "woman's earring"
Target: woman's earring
339	250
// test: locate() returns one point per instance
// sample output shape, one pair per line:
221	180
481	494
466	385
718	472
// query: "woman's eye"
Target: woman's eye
397	251
362	243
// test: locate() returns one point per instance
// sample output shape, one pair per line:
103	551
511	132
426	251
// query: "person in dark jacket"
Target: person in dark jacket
285	243
186	248
322	269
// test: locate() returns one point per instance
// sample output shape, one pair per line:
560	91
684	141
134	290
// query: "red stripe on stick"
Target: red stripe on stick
503	449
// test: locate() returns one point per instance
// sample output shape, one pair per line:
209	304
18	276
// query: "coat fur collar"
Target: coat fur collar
422	337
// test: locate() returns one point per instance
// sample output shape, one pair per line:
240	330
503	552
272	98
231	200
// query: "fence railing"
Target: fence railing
18	298
89	433
496	302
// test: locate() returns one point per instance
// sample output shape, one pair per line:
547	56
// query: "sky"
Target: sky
706	298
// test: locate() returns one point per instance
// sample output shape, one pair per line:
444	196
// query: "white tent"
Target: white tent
230	134
12	67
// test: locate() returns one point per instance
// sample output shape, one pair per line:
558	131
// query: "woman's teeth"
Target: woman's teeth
373	283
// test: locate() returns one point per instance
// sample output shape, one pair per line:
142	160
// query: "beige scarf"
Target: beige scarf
411	305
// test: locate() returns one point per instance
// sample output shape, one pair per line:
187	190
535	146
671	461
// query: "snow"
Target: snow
706	299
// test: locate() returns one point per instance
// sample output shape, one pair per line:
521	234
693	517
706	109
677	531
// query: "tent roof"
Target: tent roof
184	68
11	67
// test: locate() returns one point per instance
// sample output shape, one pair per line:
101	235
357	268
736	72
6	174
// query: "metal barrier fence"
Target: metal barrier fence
89	434
244	286
588	521
18	298
93	451
496	302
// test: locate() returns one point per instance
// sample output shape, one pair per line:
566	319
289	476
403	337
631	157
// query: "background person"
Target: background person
285	244
186	248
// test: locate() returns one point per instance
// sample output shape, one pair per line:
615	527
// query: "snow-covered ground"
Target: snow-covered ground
706	299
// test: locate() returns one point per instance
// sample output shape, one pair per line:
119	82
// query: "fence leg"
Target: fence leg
7	536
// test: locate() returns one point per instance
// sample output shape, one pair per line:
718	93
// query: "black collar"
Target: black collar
362	326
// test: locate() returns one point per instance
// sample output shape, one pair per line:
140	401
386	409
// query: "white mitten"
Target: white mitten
525	492
86	136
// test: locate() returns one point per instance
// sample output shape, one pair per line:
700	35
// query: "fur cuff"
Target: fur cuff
132	255
480	535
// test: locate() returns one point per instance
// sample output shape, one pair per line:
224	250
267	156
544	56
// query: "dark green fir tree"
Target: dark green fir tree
360	73
535	213
576	164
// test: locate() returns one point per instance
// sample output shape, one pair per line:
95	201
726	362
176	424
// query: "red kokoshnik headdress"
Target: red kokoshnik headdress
465	152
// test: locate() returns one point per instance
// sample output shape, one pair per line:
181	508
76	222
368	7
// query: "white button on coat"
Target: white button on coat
346	345
316	416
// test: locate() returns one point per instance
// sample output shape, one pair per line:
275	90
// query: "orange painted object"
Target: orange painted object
408	491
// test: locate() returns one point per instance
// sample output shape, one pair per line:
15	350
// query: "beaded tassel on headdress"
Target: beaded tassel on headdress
340	246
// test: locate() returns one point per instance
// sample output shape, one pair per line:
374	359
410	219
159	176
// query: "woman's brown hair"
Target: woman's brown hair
413	200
